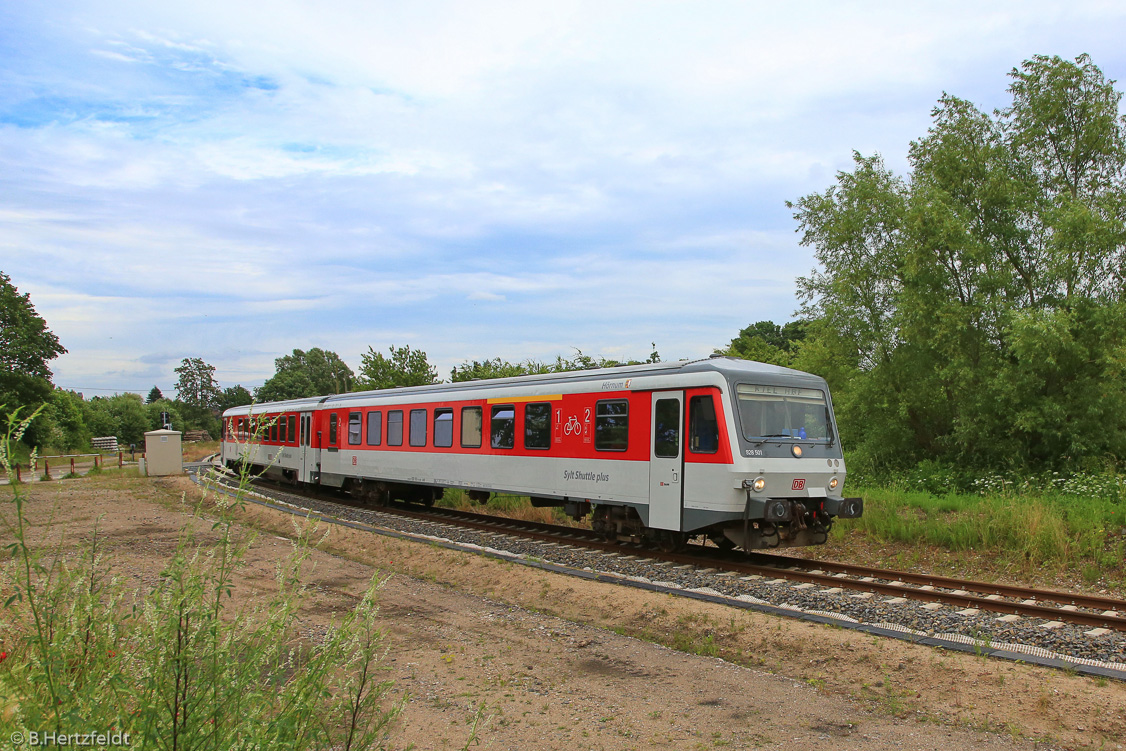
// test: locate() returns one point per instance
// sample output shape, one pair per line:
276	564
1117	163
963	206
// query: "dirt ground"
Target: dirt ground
563	663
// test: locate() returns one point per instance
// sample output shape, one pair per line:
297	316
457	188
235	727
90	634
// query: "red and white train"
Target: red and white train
744	453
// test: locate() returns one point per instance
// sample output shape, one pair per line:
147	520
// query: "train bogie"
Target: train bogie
743	453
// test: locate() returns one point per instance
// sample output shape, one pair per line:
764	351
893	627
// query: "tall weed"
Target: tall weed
181	668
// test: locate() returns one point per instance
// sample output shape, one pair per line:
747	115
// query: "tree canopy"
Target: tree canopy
405	367
196	385
973	312
313	373
26	346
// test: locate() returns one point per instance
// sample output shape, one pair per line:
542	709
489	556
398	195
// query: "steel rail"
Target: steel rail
894	583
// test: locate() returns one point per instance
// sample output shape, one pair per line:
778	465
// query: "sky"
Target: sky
234	180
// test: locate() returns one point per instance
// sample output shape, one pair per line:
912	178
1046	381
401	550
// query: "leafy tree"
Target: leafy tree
405	367
235	396
495	368
767	342
121	415
61	425
154	396
196	386
498	368
26	346
314	373
153	419
981	300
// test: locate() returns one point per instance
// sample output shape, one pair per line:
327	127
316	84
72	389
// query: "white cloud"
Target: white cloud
233	180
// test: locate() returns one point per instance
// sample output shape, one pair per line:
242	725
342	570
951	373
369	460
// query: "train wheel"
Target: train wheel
672	542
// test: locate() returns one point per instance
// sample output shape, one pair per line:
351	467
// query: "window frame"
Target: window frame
693	424
392	414
440	415
498	409
357	419
480	423
547	429
599	431
417	412
333	428
657	440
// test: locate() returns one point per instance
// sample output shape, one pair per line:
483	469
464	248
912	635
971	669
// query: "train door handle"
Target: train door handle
675	477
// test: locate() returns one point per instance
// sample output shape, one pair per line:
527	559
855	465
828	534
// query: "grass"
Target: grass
1023	529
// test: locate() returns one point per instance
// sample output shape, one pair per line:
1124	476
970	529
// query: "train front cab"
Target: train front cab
750	462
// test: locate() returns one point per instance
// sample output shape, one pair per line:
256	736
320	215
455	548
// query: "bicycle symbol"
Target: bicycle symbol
573	426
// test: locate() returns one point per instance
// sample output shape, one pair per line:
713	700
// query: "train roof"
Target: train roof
730	367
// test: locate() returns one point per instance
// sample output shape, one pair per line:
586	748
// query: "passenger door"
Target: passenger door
309	456
666	460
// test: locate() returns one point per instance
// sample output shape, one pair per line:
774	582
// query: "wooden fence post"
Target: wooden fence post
72	465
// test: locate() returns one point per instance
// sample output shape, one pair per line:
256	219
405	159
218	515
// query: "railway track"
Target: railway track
1055	609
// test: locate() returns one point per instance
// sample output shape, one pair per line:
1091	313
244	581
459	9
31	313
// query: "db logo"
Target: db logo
798	485
354	464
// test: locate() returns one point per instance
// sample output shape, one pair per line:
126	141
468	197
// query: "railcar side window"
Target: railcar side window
443	428
273	430
471	427
332	420
611	425
375	428
537	426
395	427
418	427
703	428
666	429
502	427
355	426
283	433
292	422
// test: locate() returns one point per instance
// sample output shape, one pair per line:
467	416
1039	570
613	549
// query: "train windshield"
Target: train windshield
783	412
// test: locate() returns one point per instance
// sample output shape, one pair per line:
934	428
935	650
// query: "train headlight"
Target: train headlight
796	450
833	483
759	484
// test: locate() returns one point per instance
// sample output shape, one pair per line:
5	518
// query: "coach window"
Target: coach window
273	436
418	427
355	427
375	428
283	433
611	425
666	429
471	427
292	428
703	428
537	426
502	428
395	427
443	428
332	429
